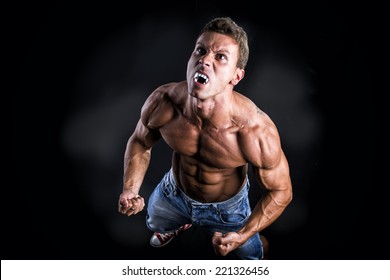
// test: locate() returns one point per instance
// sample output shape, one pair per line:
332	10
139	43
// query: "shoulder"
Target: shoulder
163	92
259	135
161	103
249	115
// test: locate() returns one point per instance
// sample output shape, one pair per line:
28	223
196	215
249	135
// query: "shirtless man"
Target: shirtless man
216	134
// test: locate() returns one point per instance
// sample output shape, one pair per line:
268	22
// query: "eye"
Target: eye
200	51
221	56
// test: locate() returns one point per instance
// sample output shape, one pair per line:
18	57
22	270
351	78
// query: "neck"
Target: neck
215	109
204	108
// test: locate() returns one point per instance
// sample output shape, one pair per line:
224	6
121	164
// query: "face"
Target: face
212	67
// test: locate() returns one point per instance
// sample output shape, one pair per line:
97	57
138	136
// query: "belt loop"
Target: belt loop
172	181
216	208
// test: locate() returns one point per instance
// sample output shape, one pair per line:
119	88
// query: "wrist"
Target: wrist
130	190
245	232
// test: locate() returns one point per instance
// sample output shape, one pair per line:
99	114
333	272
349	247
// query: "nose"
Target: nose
205	60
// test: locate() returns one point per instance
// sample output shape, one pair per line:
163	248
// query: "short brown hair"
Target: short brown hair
226	26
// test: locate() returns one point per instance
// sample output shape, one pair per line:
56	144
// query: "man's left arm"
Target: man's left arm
277	183
271	170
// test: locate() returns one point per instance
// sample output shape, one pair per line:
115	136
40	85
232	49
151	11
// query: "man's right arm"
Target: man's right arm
137	157
136	160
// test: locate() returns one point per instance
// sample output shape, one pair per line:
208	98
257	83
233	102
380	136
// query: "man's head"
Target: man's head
226	26
218	60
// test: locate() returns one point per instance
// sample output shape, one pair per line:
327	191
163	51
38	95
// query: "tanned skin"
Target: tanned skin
215	133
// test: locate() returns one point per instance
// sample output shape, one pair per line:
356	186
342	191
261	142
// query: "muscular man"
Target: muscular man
216	134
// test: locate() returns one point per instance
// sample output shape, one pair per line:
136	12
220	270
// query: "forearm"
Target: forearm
136	163
266	211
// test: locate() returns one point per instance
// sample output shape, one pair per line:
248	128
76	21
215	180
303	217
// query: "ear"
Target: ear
238	75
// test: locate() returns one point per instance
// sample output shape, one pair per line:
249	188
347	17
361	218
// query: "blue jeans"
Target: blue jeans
169	208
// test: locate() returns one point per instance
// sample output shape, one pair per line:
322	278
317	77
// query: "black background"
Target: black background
82	73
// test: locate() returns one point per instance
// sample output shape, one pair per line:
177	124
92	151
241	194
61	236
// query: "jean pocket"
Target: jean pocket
236	214
232	218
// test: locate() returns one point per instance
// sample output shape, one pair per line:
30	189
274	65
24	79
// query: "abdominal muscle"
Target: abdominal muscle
204	183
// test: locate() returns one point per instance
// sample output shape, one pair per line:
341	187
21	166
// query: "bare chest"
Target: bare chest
215	147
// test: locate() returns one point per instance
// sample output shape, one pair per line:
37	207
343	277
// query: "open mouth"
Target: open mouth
201	78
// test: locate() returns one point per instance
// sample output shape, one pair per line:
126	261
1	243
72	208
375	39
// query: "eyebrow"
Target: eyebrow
225	51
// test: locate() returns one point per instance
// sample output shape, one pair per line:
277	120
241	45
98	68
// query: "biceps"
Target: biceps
277	183
275	178
145	136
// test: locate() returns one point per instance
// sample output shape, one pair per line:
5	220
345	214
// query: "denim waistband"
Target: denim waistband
229	202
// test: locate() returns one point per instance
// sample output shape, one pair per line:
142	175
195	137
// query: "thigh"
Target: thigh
166	211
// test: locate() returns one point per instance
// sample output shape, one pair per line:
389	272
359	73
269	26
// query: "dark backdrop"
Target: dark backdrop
82	73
